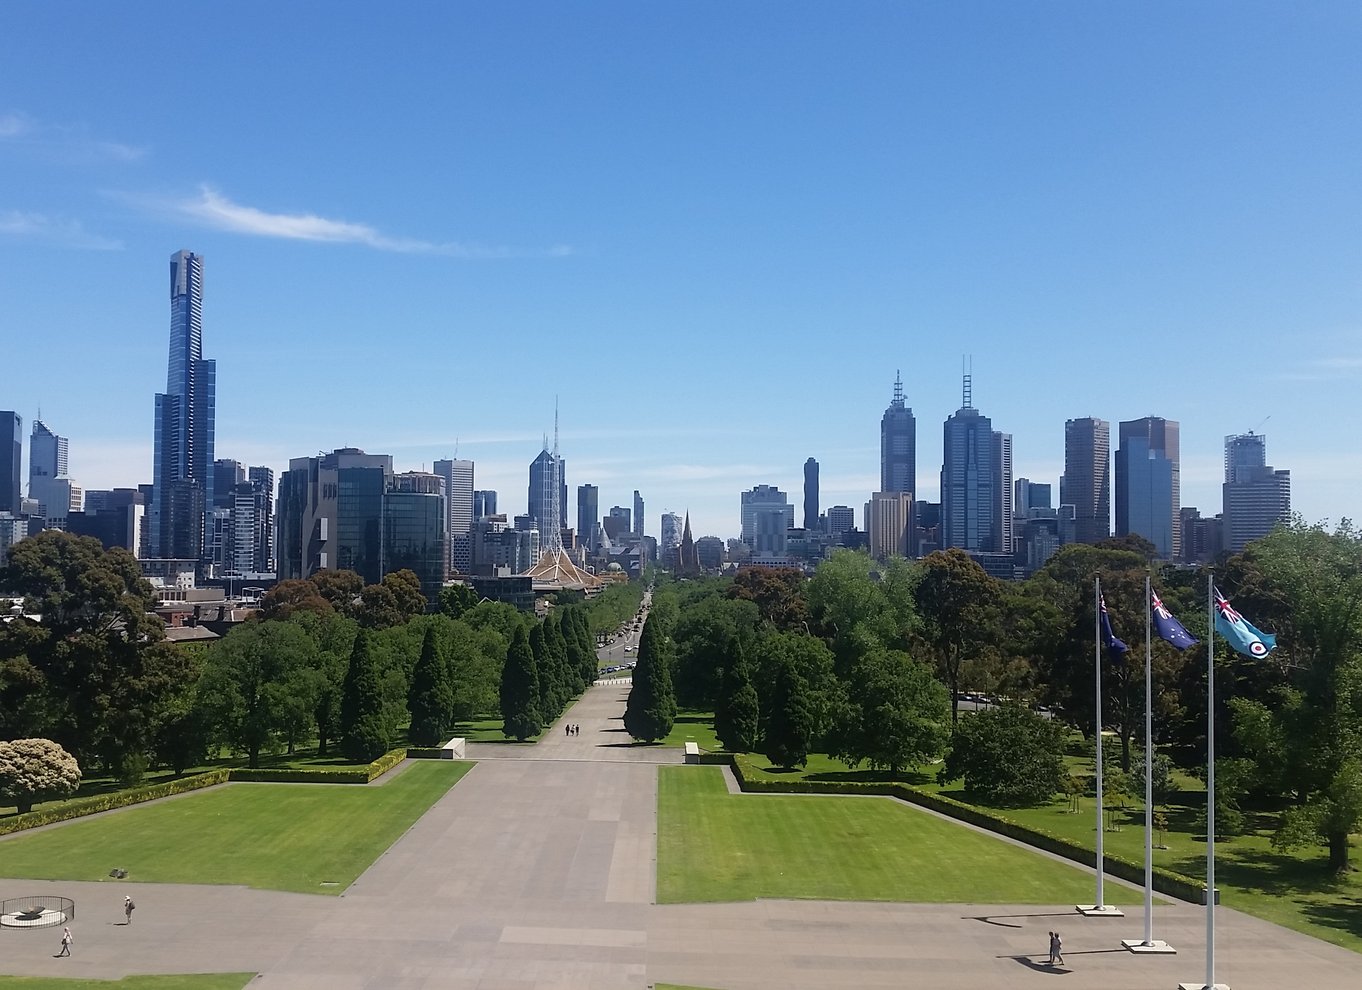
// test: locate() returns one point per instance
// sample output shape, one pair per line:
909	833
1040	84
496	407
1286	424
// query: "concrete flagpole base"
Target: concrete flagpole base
1202	985
1154	947
1096	911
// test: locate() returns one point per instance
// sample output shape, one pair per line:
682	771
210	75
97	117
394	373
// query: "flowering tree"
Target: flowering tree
33	770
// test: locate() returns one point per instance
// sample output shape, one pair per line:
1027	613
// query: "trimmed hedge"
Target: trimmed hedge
716	759
81	807
385	763
1166	881
304	775
425	753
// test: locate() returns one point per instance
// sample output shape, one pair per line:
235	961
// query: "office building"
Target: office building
48	481
548	472
227	474
12	530
669	540
1256	496
415	529
1203	538
182	466
969	484
112	517
589	517
889	524
898	445
1147	487
811	494
1028	494
709	554
1003	508
766	517
330	514
11	460
840	518
618	524
638	514
1086	484
462	507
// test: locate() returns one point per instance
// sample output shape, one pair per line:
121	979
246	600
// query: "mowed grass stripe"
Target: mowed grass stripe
195	981
273	836
716	846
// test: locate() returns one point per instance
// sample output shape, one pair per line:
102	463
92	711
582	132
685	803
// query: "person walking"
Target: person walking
1056	949
128	908
65	943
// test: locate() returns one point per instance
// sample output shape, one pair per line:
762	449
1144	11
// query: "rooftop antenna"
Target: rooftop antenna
898	388
967	370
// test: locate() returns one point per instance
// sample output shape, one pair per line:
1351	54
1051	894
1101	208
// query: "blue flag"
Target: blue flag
1169	629
1114	646
1240	632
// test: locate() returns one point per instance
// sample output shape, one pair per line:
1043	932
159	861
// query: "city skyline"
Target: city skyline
1087	217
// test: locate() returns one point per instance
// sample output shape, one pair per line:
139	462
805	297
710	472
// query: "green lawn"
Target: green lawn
197	981
1290	889
274	836
716	846
696	727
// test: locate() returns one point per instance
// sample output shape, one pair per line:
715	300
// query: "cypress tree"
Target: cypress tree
431	699
366	730
520	689
582	627
651	709
737	717
789	725
549	704
564	657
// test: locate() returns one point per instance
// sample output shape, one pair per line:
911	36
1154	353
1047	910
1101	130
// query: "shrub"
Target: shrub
107	802
34	770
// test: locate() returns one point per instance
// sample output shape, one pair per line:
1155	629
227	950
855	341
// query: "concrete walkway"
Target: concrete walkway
537	873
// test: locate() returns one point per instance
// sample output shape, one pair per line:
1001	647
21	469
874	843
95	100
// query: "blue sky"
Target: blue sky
713	230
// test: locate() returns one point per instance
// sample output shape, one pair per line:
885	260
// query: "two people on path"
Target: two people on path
65	943
1056	949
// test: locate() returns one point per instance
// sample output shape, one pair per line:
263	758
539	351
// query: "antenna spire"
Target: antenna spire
968	383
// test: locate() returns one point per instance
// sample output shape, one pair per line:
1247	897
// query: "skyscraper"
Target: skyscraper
49	484
638	513
889	524
546	473
1147	489
1002	492
898	445
810	494
11	458
1086	484
415	517
840	519
1256	497
670	539
969	487
182	493
589	517
330	514
459	507
484	503
767	516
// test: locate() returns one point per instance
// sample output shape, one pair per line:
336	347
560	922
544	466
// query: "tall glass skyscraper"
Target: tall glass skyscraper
1147	483
182	493
898	445
969	482
1086	484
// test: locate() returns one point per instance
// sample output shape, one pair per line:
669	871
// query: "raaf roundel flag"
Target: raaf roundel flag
1115	648
1241	633
1169	629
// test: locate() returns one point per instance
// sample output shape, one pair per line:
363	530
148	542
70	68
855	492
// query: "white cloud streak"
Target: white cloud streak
70	142
212	209
54	230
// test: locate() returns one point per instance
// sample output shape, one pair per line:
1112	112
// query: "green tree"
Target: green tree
341	589
34	770
251	684
546	669
293	597
857	603
898	716
456	599
702	636
1305	583
1007	756
790	721
959	605
333	635
651	709
366	727
431	701
778	593
520	689
737	718
820	691
569	675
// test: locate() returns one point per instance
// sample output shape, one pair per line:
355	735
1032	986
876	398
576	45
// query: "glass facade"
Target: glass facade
415	534
359	521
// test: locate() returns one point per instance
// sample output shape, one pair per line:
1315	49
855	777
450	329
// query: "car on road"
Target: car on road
628	649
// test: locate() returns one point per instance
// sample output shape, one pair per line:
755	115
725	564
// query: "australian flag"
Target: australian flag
1115	648
1241	633
1169	629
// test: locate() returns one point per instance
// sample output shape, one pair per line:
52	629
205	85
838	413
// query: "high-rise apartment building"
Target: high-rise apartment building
767	516
1147	484
969	483
11	460
589	517
889	524
182	492
810	494
1003	508
1256	497
898	445
1086	483
638	514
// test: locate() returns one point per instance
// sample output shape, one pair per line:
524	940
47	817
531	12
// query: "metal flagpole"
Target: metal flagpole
1100	909
1210	781
1148	944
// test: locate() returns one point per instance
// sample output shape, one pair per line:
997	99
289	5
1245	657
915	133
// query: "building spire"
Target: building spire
968	384
898	390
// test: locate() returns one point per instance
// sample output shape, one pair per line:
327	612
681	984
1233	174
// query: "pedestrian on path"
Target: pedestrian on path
1056	949
567	730
128	908
65	943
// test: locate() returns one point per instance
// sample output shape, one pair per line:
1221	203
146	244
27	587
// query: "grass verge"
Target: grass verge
271	836
716	846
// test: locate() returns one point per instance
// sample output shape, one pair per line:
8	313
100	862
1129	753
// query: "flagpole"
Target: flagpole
1210	781
1099	909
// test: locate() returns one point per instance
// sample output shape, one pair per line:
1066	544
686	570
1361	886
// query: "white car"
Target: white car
628	649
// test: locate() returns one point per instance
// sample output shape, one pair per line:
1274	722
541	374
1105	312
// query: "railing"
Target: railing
41	911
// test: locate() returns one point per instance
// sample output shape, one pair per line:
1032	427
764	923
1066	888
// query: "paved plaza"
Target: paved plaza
536	872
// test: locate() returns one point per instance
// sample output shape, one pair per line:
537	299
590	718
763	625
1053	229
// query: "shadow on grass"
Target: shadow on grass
1344	914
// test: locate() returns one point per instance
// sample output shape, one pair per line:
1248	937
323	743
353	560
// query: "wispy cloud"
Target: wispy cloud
54	230
210	208
70	142
1325	369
